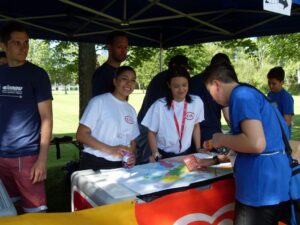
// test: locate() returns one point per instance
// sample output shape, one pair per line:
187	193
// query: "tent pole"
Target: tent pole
160	52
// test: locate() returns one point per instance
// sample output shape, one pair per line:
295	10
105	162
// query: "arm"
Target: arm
251	140
84	135
153	145
38	171
288	119
197	136
225	112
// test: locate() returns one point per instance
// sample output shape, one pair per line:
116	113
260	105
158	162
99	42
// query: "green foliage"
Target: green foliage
251	57
197	55
64	62
247	45
59	59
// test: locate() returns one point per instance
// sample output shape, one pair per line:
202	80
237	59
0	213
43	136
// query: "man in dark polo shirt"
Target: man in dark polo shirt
102	81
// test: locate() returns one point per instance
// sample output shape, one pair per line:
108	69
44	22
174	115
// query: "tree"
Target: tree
86	68
64	62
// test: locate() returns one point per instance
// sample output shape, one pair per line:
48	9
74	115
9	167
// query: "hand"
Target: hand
38	171
155	157
208	144
217	140
118	151
132	160
152	159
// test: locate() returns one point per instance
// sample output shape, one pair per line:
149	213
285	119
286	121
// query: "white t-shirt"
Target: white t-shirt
111	121
160	119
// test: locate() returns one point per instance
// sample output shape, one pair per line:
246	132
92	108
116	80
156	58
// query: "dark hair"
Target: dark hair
276	73
2	54
220	58
177	71
5	33
222	72
122	69
113	35
179	60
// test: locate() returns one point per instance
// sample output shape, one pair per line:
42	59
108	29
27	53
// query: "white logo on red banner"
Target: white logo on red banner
198	217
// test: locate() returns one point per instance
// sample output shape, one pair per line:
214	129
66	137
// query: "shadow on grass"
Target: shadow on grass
57	187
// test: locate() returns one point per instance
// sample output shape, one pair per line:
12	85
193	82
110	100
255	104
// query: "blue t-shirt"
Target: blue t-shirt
284	102
212	110
261	179
102	81
21	89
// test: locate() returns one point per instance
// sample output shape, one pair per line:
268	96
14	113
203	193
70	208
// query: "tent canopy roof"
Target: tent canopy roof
148	23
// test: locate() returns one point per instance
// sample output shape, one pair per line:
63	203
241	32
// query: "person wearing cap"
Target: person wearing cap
156	89
173	120
212	110
3	59
102	81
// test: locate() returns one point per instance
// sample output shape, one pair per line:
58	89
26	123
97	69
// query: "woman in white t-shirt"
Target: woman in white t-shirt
108	127
173	121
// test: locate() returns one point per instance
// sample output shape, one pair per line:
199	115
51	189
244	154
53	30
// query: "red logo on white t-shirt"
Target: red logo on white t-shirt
129	119
190	115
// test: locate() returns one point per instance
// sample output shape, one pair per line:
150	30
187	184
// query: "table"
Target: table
142	183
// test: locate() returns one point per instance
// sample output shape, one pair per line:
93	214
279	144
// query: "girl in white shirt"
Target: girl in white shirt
108	127
173	121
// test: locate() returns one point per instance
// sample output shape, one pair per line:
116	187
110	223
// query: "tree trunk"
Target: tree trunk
87	65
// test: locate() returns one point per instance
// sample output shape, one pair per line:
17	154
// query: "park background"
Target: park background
251	57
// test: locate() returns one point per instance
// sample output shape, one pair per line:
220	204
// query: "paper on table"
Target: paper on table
115	190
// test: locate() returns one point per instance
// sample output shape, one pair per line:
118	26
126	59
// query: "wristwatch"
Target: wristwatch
216	160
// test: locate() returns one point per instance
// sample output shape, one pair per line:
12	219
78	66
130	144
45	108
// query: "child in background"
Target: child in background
173	121
283	100
108	127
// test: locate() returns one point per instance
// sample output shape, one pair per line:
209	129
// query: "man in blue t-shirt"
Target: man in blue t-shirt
280	96
102	81
25	121
261	169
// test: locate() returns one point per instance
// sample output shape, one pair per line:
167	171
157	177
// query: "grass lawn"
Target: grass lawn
65	112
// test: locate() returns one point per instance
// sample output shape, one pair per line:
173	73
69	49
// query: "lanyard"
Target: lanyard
180	132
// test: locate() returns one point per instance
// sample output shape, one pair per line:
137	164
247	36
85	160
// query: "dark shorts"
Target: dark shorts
170	154
264	215
89	161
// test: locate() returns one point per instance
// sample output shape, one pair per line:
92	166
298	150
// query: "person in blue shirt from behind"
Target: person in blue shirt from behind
283	99
262	171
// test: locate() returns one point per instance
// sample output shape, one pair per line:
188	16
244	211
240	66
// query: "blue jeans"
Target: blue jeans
263	215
